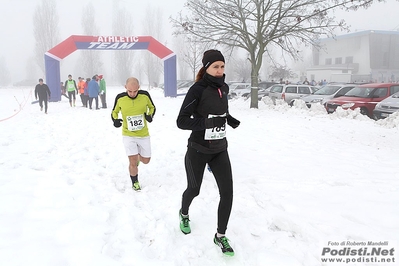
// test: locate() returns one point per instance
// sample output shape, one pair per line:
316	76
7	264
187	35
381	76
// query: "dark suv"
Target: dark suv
364	97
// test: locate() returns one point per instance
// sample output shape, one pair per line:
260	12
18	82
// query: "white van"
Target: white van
290	92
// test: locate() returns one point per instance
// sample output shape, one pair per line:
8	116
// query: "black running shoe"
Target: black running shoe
223	243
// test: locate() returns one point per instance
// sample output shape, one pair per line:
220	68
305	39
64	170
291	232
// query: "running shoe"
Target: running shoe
136	186
184	223
223	243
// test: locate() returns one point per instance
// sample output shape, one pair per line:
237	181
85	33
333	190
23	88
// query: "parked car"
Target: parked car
266	84
386	107
289	92
327	93
317	87
237	89
264	92
183	86
264	88
364	97
184	83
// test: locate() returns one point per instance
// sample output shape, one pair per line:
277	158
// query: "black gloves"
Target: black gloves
216	121
148	117
231	121
118	122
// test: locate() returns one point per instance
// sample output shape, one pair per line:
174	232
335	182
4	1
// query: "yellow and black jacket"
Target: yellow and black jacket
133	107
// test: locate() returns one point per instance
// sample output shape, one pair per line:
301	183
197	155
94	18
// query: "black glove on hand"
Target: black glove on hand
216	121
148	117
231	121
118	122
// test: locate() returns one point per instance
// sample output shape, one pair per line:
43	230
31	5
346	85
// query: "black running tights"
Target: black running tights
219	163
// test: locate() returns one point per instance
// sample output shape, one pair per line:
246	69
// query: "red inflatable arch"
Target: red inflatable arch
76	42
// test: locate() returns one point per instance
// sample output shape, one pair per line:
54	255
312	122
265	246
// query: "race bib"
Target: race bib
216	132
71	85
135	123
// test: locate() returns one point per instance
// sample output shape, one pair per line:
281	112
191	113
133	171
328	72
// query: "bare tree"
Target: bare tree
153	26
254	25
180	49
193	53
241	68
122	25
5	77
45	29
33	73
92	63
281	73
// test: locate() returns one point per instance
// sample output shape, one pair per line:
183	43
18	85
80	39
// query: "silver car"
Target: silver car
327	93
263	92
386	107
238	89
290	92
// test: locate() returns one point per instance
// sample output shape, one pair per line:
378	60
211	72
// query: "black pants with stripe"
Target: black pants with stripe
41	100
219	163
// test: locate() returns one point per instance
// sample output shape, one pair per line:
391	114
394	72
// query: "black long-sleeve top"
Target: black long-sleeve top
42	91
205	97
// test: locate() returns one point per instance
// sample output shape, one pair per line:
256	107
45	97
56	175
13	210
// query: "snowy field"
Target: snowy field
302	179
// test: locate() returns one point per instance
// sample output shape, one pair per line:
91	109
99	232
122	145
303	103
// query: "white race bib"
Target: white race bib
135	123
216	132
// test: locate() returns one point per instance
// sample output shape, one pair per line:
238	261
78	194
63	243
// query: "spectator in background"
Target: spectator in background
94	90
86	92
103	90
62	88
43	92
63	92
70	86
81	89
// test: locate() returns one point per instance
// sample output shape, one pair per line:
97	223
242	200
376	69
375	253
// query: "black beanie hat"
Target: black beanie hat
211	56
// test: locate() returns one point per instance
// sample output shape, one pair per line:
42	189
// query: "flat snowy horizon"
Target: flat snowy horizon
303	181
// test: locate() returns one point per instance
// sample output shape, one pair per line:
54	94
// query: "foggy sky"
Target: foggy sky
16	28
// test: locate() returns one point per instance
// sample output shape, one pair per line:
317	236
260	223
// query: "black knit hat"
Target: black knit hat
210	57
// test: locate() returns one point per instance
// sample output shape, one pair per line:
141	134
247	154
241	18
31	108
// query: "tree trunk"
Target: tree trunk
254	85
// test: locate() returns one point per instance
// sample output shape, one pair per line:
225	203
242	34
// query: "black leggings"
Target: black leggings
41	100
195	163
71	94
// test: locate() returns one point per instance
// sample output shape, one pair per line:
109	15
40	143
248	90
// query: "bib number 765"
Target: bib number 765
215	132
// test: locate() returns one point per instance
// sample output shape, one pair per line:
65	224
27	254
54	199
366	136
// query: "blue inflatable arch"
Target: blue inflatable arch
77	42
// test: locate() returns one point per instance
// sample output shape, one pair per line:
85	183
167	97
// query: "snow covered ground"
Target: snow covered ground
302	178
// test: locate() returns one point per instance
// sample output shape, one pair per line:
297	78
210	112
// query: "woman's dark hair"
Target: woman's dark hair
200	74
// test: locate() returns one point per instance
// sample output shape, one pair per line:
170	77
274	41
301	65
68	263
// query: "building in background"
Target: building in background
357	57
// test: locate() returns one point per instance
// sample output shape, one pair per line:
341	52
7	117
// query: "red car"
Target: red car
364	97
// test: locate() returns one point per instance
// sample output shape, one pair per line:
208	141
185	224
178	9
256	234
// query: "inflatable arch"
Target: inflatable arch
53	57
